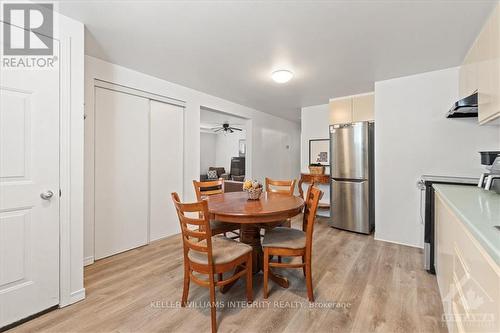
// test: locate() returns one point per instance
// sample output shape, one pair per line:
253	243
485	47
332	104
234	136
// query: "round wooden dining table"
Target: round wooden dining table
252	215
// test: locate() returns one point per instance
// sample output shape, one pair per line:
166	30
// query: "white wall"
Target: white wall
412	138
207	151
273	144
315	122
227	146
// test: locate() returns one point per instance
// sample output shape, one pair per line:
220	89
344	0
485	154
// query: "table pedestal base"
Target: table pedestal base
250	234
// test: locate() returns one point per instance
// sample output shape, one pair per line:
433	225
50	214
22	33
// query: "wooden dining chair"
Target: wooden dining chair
281	187
289	242
204	189
209	255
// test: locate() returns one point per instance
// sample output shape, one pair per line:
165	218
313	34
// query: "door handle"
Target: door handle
46	195
350	180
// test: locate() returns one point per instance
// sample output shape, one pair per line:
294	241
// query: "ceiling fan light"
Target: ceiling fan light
282	76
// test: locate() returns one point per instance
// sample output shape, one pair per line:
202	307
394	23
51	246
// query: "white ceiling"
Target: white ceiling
229	48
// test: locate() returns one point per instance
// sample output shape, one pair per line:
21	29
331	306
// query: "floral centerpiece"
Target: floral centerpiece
253	189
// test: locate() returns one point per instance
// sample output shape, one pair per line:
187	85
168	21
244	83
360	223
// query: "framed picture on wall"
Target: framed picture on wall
242	148
319	152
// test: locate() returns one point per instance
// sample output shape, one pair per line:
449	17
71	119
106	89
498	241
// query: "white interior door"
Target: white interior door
121	172
29	166
166	167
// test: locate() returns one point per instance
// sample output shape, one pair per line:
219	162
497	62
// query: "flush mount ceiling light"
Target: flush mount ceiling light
282	76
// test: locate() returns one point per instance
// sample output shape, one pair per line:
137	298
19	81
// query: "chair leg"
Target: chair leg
266	270
185	290
249	278
279	259
220	277
213	309
309	283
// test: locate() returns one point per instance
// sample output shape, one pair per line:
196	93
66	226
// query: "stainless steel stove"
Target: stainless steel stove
425	184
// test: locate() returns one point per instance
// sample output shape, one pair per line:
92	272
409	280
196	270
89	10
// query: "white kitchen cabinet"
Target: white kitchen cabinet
363	107
489	69
352	109
480	70
341	111
487	60
468	278
468	80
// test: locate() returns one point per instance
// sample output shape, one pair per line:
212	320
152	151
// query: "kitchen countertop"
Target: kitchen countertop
480	212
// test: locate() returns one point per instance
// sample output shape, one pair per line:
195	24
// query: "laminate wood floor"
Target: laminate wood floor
360	285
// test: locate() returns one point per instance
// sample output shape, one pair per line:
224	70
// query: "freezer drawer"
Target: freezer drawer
350	205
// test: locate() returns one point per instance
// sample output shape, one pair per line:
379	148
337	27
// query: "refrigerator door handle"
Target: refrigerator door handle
349	180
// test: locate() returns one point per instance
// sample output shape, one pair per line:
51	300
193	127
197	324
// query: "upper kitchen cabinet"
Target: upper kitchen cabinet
488	50
363	107
480	70
341	111
352	109
468	78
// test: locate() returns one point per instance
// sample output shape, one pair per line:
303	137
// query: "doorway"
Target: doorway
29	191
224	146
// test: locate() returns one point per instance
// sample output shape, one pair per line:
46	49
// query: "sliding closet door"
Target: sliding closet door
121	171
166	167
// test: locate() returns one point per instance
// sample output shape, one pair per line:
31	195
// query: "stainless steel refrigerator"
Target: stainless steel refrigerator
352	176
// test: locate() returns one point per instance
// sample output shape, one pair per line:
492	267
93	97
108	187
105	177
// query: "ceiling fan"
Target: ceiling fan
226	128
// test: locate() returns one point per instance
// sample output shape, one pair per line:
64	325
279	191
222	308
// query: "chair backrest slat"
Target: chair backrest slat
195	234
192	221
280	186
199	239
204	189
211	192
196	246
310	208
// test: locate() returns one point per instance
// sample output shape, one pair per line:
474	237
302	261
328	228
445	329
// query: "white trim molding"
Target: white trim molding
137	92
88	260
65	172
398	243
77	296
71	37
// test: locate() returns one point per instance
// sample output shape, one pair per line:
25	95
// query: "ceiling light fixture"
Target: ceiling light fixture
282	76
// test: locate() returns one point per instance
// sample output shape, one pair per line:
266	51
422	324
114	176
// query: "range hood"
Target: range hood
464	108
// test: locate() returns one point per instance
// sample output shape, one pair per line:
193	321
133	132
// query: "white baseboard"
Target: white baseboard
78	295
74	297
399	243
151	241
88	261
